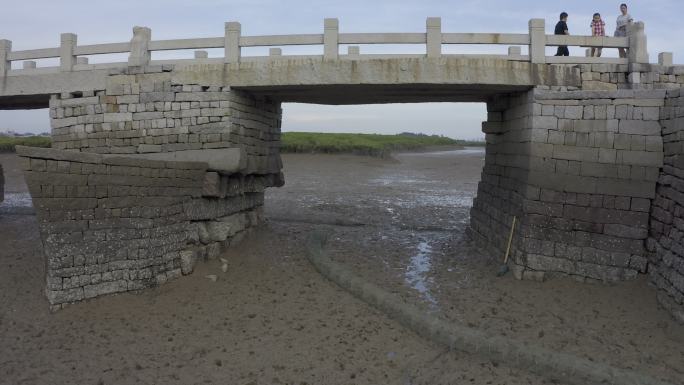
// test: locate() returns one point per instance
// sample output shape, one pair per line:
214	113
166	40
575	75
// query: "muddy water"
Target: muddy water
17	199
417	272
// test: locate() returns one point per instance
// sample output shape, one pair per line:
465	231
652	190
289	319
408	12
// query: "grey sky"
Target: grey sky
37	24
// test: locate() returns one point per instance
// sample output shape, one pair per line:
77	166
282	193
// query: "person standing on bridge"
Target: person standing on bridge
623	21
562	29
598	28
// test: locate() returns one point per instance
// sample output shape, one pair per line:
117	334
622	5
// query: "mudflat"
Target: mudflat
272	319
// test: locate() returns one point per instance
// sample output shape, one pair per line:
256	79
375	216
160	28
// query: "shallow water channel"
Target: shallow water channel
406	211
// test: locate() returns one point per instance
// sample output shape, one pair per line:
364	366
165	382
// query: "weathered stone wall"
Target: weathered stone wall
123	200
503	183
654	76
578	169
666	242
146	111
611	77
116	223
109	224
230	204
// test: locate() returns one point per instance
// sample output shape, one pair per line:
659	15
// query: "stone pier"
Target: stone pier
666	241
593	175
147	176
578	170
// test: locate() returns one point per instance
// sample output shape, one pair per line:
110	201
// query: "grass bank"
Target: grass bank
314	142
7	143
364	144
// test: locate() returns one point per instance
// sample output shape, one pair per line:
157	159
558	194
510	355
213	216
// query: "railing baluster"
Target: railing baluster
140	47
537	41
67	59
638	49
665	59
331	31
5	63
232	42
433	26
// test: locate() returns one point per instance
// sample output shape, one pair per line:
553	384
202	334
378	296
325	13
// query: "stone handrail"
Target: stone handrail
140	47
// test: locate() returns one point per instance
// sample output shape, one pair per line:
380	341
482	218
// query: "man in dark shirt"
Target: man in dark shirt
562	29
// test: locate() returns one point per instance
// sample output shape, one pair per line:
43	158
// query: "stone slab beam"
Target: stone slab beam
224	160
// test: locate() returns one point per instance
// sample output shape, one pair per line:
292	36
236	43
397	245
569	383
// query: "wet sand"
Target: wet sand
271	319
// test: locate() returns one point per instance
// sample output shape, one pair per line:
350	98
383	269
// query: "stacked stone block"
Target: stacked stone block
607	77
654	76
611	77
666	242
145	111
578	170
111	223
108	224
502	186
117	212
230	204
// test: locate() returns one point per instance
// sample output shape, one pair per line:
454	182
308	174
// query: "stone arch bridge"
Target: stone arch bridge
156	163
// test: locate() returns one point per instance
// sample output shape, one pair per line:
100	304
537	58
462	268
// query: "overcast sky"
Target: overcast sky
38	23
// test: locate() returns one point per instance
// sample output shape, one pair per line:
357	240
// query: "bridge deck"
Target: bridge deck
322	81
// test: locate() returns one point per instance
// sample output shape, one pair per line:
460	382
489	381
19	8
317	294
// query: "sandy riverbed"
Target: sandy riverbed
272	319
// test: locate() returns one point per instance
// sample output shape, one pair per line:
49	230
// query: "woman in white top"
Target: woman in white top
622	22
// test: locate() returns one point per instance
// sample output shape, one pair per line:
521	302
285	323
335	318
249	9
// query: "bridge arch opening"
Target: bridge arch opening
405	214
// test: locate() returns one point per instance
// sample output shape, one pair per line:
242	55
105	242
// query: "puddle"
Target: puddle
463	151
17	203
394	180
417	270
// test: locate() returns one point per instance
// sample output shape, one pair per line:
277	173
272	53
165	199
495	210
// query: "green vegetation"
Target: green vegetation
7	143
365	144
314	142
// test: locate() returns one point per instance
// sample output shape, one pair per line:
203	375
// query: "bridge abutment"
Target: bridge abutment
665	243
146	177
578	169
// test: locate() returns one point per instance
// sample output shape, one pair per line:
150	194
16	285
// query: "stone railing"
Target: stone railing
73	57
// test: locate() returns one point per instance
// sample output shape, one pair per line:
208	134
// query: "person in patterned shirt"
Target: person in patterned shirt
598	28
